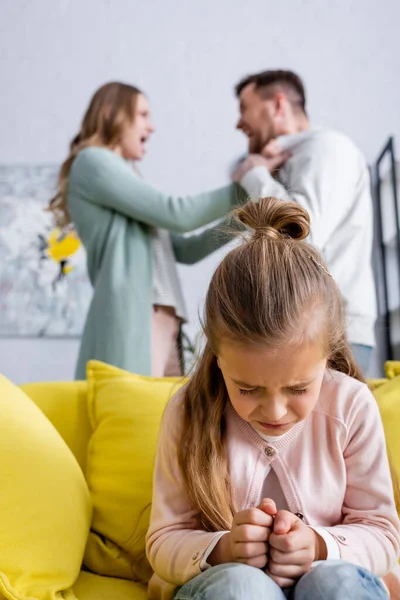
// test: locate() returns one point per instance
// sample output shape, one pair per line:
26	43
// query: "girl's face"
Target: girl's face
135	135
272	389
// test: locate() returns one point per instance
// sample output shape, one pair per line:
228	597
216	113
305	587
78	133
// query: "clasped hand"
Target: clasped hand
276	541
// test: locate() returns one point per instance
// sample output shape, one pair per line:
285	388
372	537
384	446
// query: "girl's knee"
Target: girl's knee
233	581
339	580
238	576
333	571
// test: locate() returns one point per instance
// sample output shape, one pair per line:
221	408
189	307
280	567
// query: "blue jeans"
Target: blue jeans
362	356
329	580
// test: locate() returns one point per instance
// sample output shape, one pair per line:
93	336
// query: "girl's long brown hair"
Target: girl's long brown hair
272	290
110	110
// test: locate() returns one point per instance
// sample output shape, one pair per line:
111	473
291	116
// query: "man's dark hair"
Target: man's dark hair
288	81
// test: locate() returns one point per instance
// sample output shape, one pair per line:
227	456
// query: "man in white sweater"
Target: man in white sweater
323	171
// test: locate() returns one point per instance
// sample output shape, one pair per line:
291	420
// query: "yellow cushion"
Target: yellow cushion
44	503
96	587
65	405
125	412
392	368
387	394
388	397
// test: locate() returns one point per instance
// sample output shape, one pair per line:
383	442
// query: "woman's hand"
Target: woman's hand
293	548
272	149
247	542
272	160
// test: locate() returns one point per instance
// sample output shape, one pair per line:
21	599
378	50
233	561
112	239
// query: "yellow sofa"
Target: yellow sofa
110	423
67	407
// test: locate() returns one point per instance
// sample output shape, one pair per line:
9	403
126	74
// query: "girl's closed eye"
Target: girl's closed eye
299	391
296	391
246	392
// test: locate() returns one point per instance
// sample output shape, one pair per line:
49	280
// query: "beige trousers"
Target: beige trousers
164	343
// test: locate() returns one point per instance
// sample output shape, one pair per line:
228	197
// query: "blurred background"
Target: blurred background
187	56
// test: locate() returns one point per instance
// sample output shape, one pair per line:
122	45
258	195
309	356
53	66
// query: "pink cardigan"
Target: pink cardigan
332	468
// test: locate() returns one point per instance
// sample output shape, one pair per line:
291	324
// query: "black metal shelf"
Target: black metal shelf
384	308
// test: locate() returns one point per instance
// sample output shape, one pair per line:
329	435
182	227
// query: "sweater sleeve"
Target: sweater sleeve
322	177
193	248
175	544
369	534
104	178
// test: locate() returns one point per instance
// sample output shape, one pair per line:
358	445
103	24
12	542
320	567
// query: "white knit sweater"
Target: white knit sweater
328	176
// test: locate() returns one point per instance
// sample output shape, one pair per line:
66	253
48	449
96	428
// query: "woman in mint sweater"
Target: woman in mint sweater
132	234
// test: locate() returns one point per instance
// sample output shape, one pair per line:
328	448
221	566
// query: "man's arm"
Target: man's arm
321	176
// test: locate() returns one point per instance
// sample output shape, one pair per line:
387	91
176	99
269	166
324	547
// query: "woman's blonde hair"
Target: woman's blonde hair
111	108
272	290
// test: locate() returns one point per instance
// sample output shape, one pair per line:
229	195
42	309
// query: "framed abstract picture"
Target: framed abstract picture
44	288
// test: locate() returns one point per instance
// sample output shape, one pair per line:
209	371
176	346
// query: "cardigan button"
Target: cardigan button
300	516
195	556
341	538
269	451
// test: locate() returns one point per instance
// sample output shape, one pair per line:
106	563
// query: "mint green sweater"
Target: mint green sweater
113	211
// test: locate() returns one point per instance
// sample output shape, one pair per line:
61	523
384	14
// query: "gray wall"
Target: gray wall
186	55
